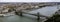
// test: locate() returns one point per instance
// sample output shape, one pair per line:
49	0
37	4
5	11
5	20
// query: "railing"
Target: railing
37	14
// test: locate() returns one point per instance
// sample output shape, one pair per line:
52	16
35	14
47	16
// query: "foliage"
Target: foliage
54	18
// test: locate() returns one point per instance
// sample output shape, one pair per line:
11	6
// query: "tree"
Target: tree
54	18
11	8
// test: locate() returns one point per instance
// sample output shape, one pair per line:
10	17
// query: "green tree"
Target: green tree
54	18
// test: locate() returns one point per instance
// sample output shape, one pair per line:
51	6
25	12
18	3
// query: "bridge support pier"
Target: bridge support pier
38	17
21	13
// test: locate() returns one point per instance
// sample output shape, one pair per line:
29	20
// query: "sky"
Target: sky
29	0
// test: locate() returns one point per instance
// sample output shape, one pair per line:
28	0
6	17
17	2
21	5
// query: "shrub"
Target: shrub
54	18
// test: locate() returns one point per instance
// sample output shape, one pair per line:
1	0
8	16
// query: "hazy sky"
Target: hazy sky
29	0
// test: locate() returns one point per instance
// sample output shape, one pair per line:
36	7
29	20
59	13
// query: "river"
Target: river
46	11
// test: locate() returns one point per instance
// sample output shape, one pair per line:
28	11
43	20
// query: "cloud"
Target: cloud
29	0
